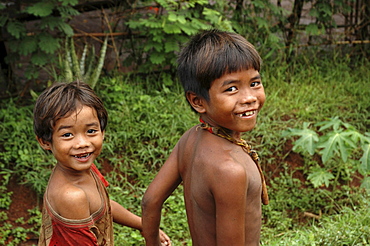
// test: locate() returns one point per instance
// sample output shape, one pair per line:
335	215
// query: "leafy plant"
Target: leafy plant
85	69
40	43
166	26
334	140
14	235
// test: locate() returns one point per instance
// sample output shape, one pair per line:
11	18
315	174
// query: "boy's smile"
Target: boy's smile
234	101
77	140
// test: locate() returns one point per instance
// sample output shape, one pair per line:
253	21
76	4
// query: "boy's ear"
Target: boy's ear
196	102
44	144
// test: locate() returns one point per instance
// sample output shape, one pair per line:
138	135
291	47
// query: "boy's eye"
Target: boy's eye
91	131
67	135
256	83
232	88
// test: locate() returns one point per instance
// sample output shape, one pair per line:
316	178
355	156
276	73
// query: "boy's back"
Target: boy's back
208	172
223	186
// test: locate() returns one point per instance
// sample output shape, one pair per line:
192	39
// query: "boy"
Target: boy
223	185
69	121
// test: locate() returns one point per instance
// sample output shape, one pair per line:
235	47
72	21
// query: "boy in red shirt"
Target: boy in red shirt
70	121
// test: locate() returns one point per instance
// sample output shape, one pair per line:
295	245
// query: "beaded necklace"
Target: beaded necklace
245	146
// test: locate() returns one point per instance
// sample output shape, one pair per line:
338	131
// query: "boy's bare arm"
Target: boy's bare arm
166	181
230	206
124	217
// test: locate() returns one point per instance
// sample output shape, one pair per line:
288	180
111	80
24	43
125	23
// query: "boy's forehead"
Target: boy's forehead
82	111
247	74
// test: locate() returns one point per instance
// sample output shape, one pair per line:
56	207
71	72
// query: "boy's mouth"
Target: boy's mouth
85	155
248	113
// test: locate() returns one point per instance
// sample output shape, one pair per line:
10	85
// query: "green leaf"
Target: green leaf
172	28
366	183
48	43
41	9
66	28
39	59
262	22
320	177
337	142
172	16
16	29
365	159
28	45
69	2
67	11
157	58
3	19
258	4
308	138
171	45
312	29
335	123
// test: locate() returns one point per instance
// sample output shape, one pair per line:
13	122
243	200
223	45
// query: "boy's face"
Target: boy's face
235	100
77	139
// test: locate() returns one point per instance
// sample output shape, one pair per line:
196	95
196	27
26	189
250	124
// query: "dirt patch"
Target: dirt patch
23	198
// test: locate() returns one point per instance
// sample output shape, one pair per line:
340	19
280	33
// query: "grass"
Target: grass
147	119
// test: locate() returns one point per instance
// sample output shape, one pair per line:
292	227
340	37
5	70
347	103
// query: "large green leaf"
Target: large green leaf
320	177
39	59
41	9
16	29
307	141
48	43
157	58
28	45
337	142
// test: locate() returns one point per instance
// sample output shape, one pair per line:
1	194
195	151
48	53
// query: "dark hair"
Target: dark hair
61	100
211	54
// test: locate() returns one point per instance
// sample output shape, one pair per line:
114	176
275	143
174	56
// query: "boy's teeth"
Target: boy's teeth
82	156
247	113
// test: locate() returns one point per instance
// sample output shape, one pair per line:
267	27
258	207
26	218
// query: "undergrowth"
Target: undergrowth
146	119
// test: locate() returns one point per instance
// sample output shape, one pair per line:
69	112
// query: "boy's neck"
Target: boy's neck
72	174
218	130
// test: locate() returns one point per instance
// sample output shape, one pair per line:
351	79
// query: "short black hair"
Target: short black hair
211	54
59	101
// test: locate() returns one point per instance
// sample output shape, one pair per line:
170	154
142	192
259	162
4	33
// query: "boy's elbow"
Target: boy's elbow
149	203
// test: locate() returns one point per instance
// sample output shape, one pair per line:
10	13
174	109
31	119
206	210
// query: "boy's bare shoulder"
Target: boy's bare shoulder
219	157
69	201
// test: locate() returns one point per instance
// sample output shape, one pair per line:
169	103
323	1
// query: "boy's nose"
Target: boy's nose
248	98
81	142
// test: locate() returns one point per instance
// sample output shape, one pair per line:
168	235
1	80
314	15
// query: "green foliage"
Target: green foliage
40	43
166	27
21	155
15	235
337	141
256	20
349	227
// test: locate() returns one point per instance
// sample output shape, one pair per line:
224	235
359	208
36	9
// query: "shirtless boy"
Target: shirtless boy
70	121
223	185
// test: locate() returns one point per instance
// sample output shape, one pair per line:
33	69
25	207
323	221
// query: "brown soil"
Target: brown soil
23	199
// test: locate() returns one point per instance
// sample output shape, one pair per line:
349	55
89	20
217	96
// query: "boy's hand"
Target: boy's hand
165	240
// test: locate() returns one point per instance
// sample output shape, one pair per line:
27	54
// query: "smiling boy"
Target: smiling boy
70	122
223	182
